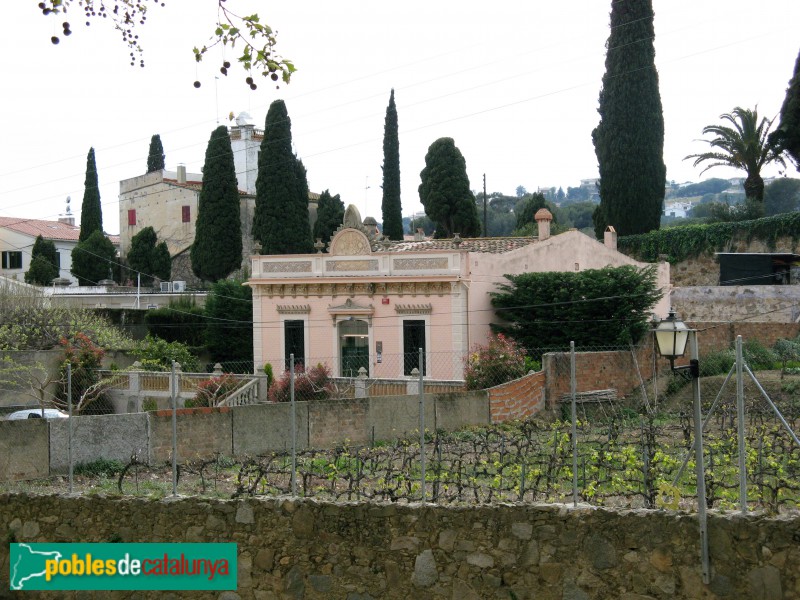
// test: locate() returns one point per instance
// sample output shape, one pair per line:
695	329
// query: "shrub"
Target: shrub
269	373
177	323
314	383
102	467
155	351
499	361
84	358
211	391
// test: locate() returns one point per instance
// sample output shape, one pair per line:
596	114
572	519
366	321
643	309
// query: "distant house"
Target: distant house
17	236
167	201
372	303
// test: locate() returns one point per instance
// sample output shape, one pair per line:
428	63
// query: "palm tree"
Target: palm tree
743	145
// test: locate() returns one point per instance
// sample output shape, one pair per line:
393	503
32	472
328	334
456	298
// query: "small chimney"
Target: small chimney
543	218
181	173
610	237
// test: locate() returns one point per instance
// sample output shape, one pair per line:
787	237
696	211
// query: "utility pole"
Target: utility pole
485	222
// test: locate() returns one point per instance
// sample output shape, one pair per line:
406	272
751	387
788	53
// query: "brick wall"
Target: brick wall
518	399
597	371
714	336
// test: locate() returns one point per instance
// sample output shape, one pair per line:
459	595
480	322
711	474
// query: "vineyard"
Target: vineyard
623	461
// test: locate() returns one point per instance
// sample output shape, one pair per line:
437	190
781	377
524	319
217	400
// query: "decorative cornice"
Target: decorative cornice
293	309
413	309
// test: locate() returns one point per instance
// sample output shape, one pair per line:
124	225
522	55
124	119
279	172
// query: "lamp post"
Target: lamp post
671	335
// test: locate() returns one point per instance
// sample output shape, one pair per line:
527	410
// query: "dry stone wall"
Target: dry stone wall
300	549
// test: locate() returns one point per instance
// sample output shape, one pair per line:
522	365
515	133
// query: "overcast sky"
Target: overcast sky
514	83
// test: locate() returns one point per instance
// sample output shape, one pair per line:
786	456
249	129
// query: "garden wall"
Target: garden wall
31	449
518	399
24	449
295	549
755	304
617	370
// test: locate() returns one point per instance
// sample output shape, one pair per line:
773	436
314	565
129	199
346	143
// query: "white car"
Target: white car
36	413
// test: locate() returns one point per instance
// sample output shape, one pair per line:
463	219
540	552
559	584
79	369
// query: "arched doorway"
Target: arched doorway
353	346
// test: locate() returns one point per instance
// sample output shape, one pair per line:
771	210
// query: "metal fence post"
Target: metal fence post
573	385
69	426
422	424
174	398
740	427
699	467
293	425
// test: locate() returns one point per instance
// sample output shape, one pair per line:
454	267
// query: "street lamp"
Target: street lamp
671	336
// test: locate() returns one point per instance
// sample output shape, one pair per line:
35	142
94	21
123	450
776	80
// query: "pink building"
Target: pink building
373	303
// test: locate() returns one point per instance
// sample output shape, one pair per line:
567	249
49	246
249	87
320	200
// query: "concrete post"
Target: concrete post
361	383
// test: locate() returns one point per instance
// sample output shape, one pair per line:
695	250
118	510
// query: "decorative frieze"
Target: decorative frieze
295	266
419	264
350	289
351	265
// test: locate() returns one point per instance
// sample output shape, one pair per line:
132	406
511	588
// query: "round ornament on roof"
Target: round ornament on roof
243	119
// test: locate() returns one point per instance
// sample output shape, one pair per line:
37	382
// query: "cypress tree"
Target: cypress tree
217	248
330	214
44	262
445	191
91	211
629	140
148	257
390	206
155	156
786	137
93	259
280	221
229	332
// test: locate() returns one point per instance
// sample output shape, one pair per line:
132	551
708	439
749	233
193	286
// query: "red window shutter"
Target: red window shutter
132	216
185	214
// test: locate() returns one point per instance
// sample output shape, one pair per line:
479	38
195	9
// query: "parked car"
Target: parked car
36	413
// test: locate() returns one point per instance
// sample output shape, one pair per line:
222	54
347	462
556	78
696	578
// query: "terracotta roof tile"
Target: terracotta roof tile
491	245
49	230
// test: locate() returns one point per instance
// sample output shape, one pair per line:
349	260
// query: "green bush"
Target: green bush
101	467
181	321
758	356
155	351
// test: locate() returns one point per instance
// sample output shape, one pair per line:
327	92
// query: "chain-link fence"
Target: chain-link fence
614	448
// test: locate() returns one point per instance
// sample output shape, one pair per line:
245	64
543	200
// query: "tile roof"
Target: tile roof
497	245
49	230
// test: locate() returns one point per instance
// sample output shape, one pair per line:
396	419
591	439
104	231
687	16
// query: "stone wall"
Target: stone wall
518	399
300	549
715	336
703	270
755	304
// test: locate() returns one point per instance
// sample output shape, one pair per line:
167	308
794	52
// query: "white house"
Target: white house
17	236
